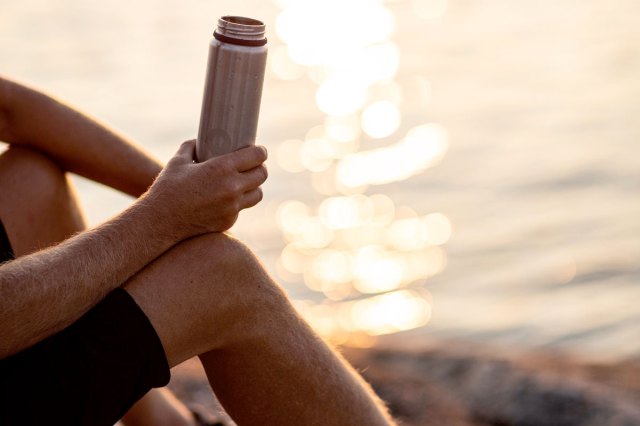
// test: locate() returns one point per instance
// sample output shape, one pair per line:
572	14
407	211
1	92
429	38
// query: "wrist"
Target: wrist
158	221
149	175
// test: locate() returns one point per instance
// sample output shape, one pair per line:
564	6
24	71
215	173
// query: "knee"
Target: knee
252	296
26	174
209	292
245	272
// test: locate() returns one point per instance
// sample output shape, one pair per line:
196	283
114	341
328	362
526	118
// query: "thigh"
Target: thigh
38	205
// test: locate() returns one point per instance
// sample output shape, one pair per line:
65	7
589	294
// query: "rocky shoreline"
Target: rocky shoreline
469	385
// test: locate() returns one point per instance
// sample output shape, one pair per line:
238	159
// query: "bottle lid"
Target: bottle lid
240	30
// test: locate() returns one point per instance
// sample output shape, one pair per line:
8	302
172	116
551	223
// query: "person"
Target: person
91	320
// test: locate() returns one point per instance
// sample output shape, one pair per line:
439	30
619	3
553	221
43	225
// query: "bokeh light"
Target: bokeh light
378	270
391	312
380	119
283	66
377	315
291	216
289	156
341	95
302	25
344	128
431	9
436	228
316	154
422	148
365	256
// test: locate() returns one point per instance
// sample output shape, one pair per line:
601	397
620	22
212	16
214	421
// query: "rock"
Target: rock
470	385
496	389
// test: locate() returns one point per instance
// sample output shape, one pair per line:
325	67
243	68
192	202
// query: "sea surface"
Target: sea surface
492	192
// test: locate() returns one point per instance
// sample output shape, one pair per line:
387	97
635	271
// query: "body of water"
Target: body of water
463	169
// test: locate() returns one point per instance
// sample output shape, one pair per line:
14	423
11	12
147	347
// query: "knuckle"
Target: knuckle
264	154
229	221
230	208
235	206
258	154
228	189
235	187
229	167
186	147
220	166
214	167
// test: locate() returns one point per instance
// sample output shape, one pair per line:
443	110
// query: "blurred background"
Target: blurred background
463	170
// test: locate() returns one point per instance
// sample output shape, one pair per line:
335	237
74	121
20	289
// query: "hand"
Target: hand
195	198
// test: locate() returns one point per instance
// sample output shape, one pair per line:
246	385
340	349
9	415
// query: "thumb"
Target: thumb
186	152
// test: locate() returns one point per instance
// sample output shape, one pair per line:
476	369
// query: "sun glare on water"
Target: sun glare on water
367	257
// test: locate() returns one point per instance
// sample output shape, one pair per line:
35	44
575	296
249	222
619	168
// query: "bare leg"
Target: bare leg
210	296
39	208
38	205
158	407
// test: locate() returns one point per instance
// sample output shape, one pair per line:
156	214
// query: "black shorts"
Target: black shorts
91	373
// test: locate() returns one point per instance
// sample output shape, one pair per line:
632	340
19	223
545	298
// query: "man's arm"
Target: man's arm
42	293
78	143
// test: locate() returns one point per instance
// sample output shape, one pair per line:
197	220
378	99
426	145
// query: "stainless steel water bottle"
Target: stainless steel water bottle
233	87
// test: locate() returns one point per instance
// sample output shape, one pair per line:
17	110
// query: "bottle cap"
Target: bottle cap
240	30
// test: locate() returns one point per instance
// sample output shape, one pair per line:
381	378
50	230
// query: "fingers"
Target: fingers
248	158
254	178
252	198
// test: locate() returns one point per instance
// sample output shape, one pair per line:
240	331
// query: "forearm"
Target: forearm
78	143
43	293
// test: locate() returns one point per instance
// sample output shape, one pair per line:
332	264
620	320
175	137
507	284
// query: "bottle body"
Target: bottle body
233	87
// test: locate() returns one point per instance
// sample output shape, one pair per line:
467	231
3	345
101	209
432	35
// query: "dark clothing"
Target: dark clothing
6	252
90	373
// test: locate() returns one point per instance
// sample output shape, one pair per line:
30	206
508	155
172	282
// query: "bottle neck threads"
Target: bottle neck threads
240	30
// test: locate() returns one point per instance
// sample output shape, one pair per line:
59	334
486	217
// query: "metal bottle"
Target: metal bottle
233	87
